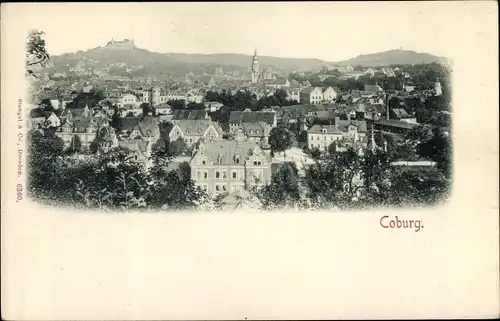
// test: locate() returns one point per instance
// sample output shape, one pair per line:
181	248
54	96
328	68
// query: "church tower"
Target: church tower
255	68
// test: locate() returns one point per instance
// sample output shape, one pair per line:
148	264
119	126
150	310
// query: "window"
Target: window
224	175
198	175
217	174
205	175
255	162
224	188
203	162
217	188
234	175
317	137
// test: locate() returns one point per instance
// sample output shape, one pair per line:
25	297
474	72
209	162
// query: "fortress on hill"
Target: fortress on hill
124	44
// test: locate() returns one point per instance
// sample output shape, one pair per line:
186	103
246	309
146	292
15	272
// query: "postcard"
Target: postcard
281	160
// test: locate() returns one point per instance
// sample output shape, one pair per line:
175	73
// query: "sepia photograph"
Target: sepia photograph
124	122
250	160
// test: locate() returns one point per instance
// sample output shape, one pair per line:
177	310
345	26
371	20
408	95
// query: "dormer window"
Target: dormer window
323	130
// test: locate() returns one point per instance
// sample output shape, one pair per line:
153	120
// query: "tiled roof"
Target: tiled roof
308	90
149	123
257	129
198	127
139	146
340	126
183	114
400	113
395	123
129	123
228	150
251	117
277	82
330	129
372	88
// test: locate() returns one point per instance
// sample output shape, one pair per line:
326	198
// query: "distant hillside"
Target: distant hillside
245	61
393	57
141	62
127	52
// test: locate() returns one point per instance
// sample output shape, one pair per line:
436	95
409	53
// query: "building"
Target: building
255	68
349	68
329	95
227	166
409	87
257	132
128	100
212	106
393	126
184	114
146	127
343	132
373	88
293	94
193	131
311	95
317	95
84	128
278	83
438	91
247	116
402	115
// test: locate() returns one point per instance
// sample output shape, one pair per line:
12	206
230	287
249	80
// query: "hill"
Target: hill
126	52
393	57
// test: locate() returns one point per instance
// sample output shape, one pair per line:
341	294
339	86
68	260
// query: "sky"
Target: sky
330	31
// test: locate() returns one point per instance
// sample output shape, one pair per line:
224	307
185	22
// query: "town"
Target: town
117	135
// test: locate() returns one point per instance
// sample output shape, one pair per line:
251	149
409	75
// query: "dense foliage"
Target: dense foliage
110	180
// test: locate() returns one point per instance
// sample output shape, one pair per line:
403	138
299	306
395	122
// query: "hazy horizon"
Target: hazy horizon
328	31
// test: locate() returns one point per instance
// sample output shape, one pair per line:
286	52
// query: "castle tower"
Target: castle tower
255	68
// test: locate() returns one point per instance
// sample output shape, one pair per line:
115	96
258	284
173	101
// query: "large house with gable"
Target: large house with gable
236	118
228	166
193	131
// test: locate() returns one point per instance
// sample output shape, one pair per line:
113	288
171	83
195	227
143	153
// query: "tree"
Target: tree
177	104
36	54
75	145
280	139
177	147
147	109
116	120
281	96
420	133
284	189
334	179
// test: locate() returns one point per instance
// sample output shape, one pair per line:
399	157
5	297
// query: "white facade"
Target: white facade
329	94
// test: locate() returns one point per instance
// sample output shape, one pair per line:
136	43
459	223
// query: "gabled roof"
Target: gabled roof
251	117
228	150
400	113
197	127
129	123
138	146
308	90
149	123
257	129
